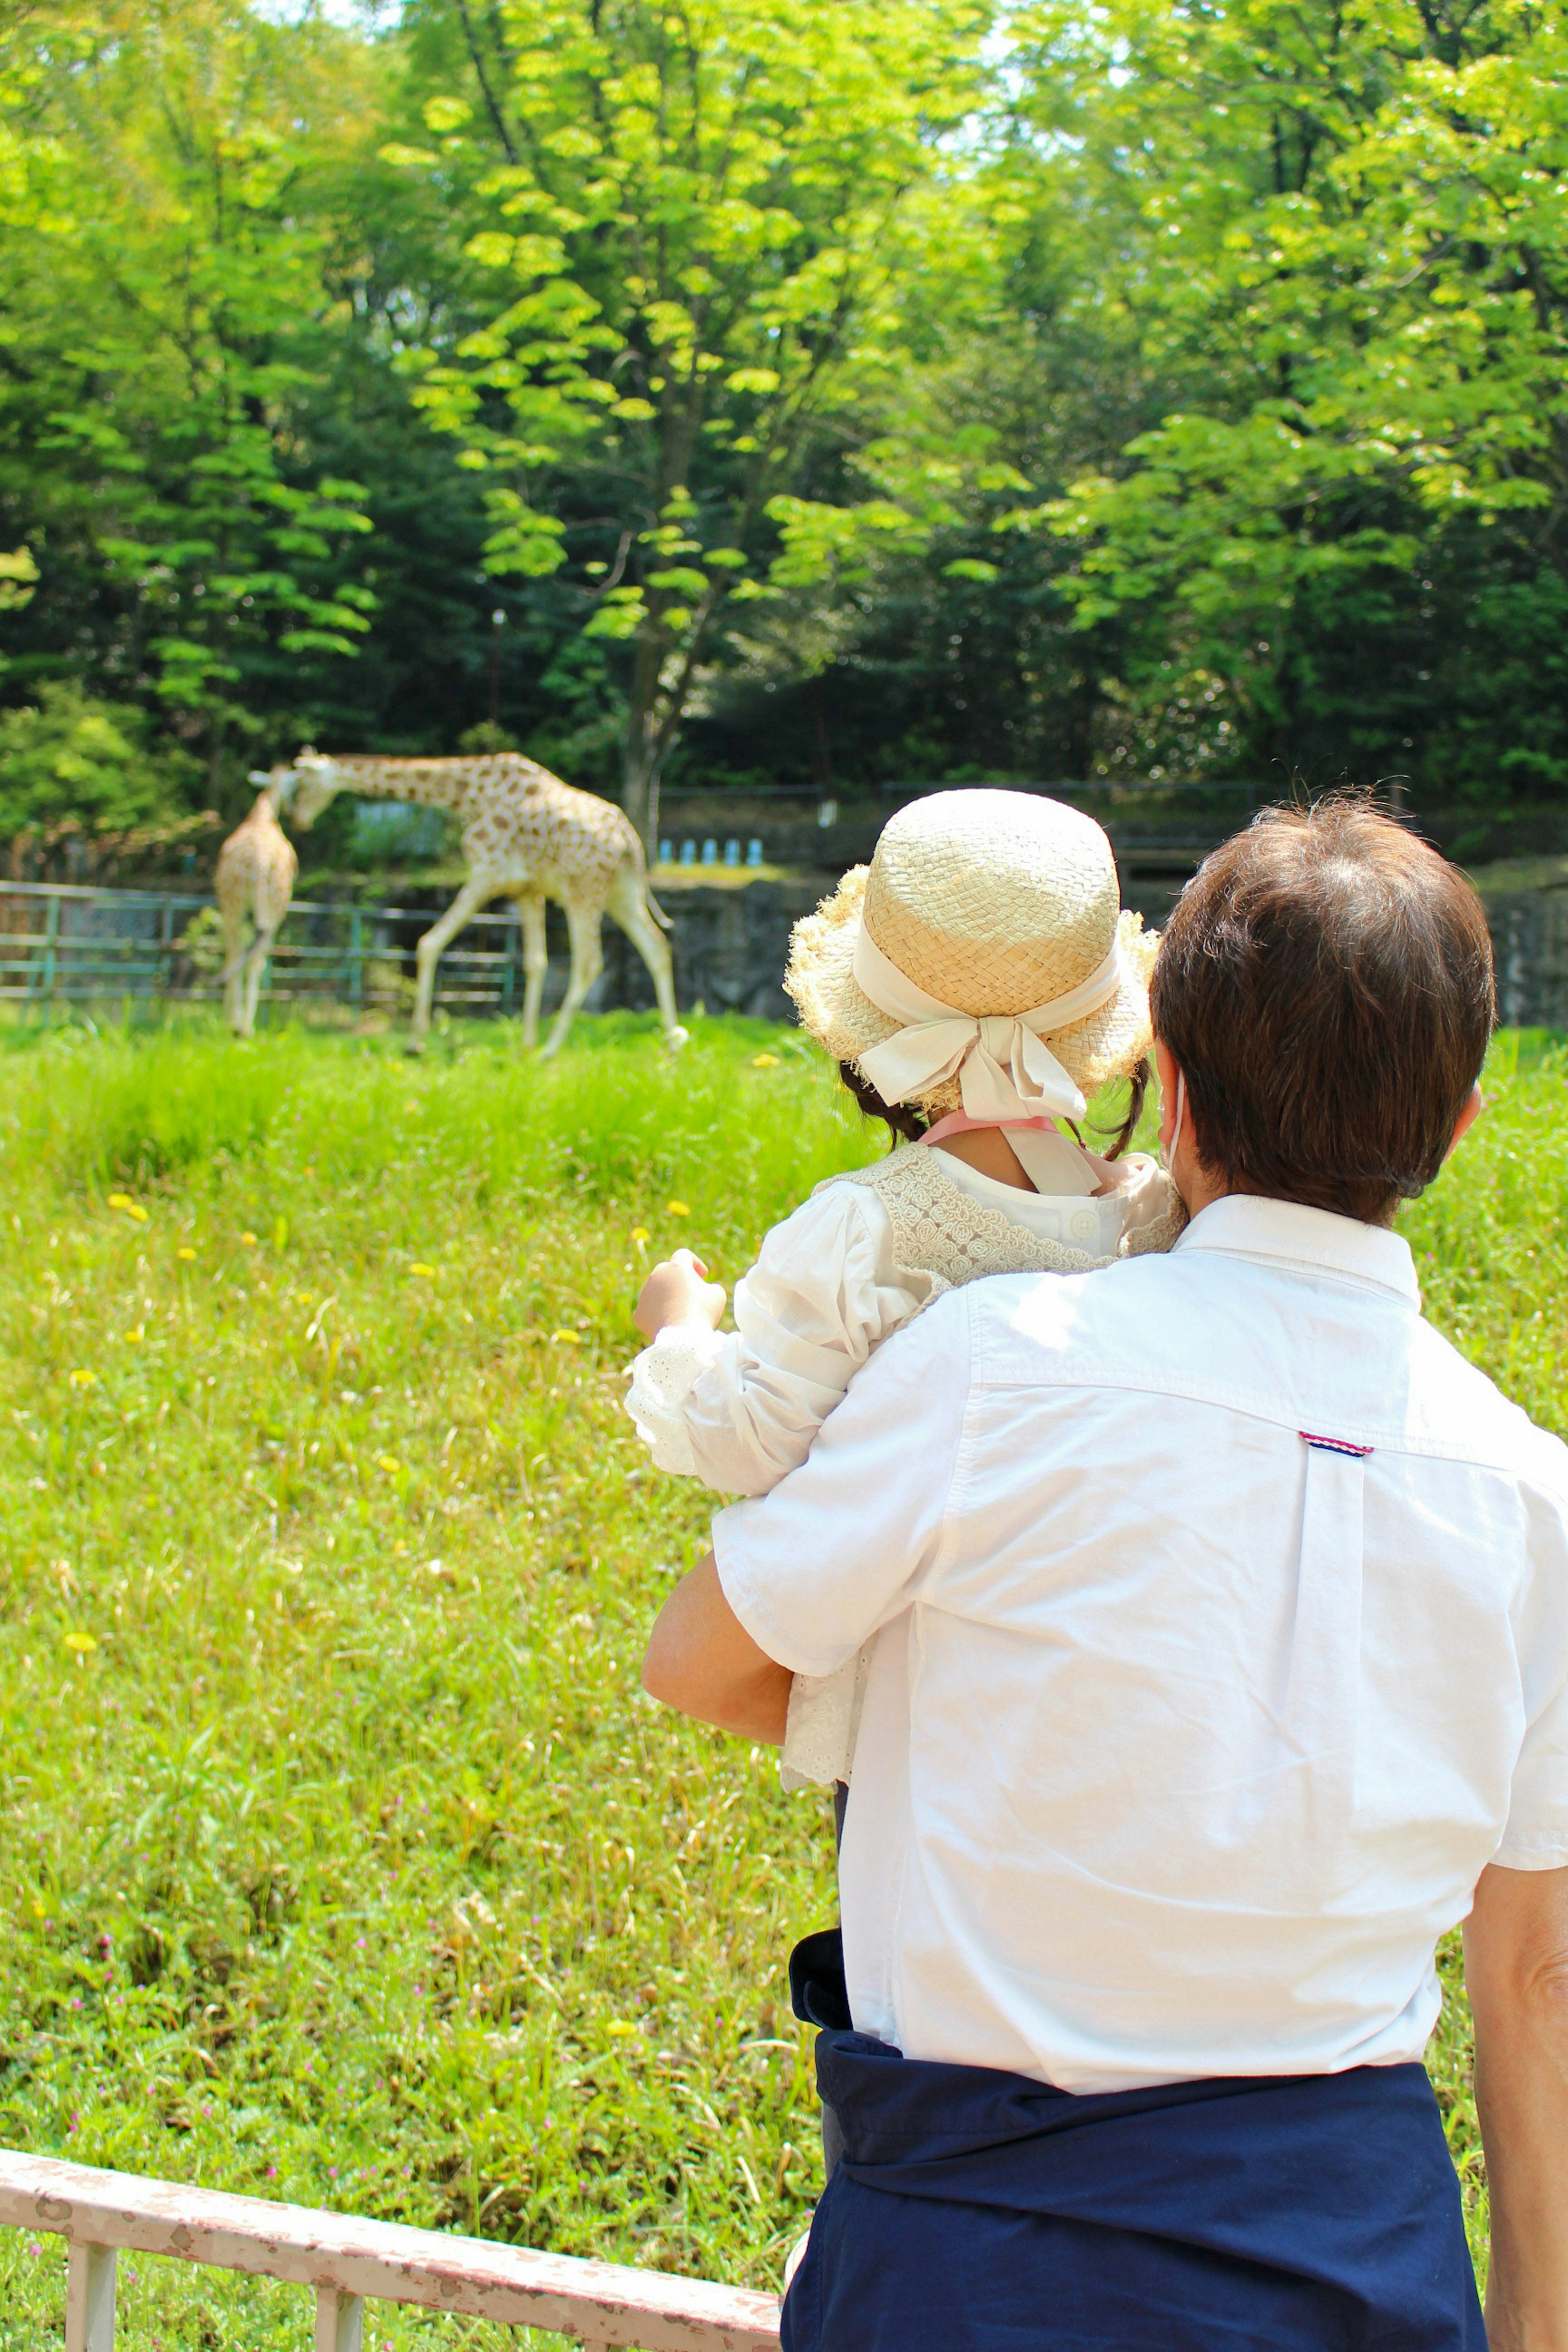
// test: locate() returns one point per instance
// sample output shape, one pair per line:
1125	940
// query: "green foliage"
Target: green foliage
844	392
68	759
345	1860
1335	249
161	372
19	577
707	233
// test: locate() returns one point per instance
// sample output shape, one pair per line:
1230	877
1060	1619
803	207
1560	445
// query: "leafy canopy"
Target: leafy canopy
704	228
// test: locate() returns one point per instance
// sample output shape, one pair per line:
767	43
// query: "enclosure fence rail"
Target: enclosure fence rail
348	2262
64	943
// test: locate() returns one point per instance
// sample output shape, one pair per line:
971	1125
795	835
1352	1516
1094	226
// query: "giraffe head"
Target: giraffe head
313	780
277	784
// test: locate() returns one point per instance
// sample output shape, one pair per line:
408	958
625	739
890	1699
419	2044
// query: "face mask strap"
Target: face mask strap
1169	1152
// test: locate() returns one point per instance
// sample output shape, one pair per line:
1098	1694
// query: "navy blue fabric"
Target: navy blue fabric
979	2212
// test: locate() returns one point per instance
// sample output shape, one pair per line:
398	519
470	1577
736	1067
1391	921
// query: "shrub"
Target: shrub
68	764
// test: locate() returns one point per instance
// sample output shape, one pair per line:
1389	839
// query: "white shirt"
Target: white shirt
1184	1739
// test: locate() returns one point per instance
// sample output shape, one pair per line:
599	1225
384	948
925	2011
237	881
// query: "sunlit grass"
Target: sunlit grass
343	1860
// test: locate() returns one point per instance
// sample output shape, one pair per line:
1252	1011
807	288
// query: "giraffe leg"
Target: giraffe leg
531	914
255	965
629	908
587	963
469	900
234	969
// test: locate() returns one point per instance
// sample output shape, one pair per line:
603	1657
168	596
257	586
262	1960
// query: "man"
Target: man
1223	1668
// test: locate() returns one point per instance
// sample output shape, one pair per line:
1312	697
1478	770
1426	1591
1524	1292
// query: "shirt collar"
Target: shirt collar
1241	1224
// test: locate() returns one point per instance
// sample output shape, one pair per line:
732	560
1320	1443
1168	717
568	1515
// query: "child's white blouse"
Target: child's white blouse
739	1409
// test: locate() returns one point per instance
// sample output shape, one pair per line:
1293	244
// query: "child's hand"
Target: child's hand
678	1291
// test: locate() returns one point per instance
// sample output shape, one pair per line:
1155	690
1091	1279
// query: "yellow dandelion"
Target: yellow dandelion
389	1463
80	1643
136	1333
568	1339
676	1209
764	1061
639	1234
82	1380
186	1253
426	1272
132	1208
248	1240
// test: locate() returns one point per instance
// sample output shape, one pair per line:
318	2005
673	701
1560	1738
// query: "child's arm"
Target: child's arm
739	1409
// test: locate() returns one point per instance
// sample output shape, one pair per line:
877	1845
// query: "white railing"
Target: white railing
347	2261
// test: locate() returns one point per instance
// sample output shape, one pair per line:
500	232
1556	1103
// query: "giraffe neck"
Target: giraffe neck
433	783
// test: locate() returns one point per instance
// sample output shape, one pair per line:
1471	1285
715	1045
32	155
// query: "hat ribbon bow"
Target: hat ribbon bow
1005	1068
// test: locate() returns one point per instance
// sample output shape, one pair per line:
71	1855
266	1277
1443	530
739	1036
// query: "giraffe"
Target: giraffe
255	881
526	836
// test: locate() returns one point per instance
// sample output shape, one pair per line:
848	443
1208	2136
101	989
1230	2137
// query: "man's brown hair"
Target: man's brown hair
1325	985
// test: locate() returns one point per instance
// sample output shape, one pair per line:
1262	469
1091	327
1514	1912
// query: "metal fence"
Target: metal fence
346	2262
69	943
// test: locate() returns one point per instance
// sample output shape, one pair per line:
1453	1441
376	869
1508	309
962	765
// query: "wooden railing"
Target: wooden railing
347	2262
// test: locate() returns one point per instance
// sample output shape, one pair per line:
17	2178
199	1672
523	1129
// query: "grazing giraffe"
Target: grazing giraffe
526	836
254	882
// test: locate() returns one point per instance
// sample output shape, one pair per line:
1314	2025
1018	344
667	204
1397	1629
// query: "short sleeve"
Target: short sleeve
841	1544
1536	1837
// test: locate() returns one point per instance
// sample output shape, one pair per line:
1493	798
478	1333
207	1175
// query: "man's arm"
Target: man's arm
1516	1970
700	1659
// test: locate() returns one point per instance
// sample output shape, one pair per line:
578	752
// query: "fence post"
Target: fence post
340	2321
356	961
44	968
89	2299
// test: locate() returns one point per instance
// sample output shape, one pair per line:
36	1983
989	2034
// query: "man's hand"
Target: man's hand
678	1291
1516	1971
700	1659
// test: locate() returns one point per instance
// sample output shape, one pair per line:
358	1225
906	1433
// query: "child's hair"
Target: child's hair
910	1124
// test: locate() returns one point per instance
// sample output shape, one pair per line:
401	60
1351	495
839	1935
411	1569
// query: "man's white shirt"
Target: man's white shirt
1224	1615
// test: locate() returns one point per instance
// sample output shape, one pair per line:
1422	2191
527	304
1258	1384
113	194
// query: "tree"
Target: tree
81	768
162	309
706	219
1339	237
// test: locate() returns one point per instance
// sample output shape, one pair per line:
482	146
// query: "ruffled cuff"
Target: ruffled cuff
662	1379
824	1718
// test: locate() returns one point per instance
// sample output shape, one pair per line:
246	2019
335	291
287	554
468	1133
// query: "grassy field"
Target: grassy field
340	1858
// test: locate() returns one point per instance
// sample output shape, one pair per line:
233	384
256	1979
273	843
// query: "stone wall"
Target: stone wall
731	944
1527	909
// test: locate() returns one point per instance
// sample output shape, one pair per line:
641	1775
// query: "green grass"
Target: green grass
342	1859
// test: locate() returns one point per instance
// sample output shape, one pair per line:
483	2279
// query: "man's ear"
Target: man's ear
1466	1118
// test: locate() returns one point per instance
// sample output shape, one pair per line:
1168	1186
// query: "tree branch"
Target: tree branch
472	38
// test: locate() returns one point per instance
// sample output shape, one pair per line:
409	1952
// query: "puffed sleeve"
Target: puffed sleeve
739	1409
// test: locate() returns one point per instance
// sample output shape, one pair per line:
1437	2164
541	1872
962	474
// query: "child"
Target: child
975	983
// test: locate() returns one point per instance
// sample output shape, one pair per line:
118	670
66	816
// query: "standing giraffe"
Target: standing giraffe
254	882
526	836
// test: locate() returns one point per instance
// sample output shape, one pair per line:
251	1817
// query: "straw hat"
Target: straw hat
993	903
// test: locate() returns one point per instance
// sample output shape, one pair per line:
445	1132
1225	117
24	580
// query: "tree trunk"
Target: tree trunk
643	754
